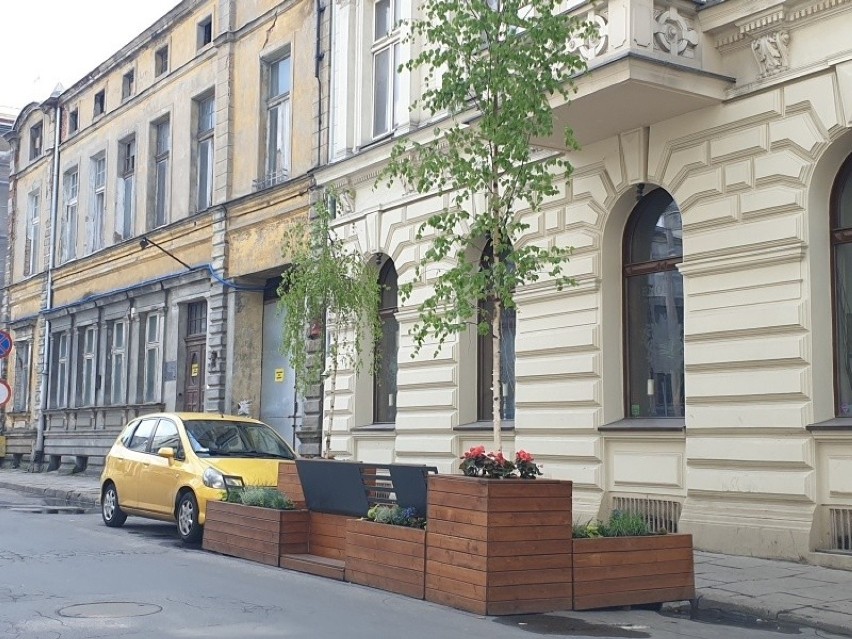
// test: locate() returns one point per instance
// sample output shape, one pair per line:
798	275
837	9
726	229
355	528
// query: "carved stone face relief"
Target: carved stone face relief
770	51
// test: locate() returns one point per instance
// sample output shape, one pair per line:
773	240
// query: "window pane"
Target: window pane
117	378
386	373
273	151
162	138
162	185
382	18
142	435
381	91
843	309
167	435
126	221
655	235
507	362
205	151
150	374
279	77
153	333
655	345
206	118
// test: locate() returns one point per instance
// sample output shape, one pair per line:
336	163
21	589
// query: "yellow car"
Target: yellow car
167	466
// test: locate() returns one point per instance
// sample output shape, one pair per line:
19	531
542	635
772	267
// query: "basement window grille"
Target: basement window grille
841	529
659	514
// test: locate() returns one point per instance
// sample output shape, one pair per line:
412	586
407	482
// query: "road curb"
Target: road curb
729	604
85	497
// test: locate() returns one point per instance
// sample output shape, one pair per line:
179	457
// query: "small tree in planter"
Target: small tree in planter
327	281
493	67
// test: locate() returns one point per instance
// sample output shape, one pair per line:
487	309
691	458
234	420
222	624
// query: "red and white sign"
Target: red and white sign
5	392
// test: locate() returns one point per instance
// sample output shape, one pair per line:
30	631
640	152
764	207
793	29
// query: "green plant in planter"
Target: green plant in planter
260	496
620	524
396	515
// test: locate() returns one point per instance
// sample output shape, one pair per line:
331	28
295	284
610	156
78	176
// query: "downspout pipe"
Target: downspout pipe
41	424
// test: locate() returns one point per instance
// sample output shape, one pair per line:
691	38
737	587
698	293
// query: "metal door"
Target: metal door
277	387
193	379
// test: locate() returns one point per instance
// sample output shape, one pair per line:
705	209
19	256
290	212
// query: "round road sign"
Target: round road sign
5	344
5	392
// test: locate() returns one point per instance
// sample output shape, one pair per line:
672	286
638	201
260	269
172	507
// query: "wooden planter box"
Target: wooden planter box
499	547
257	534
387	557
289	483
624	571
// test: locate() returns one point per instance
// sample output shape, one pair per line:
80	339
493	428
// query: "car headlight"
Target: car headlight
212	478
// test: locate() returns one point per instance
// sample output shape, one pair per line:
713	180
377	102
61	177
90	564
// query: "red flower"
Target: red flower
524	456
474	452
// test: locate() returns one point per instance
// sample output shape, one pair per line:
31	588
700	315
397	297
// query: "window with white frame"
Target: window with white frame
386	52
58	375
87	366
123	228
204	152
116	362
161	173
278	122
21	392
95	230
68	225
32	234
152	357
36	140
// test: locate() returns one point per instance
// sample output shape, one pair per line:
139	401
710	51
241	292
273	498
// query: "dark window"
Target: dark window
205	31
142	435
161	61
653	299
100	103
485	354
387	348
196	318
841	241
128	84
73	121
36	139
166	437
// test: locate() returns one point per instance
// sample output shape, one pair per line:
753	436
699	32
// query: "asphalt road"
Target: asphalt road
67	576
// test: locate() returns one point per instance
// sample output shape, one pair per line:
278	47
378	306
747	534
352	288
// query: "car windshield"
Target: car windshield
224	438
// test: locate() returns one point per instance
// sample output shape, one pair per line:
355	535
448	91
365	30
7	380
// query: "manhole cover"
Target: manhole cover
109	610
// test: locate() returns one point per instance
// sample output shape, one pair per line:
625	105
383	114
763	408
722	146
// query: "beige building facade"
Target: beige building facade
699	370
147	206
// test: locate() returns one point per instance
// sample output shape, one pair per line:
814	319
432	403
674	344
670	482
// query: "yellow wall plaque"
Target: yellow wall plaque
279	374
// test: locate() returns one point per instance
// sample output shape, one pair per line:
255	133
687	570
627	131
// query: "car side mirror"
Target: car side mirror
167	451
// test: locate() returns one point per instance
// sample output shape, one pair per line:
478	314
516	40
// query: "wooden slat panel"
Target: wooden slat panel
393	573
289	484
454	586
384	544
242	511
631	584
528	578
598	559
525	606
441	596
597	573
457	573
622	544
382	558
634	597
563	561
387	531
243	553
320	566
384	583
266	546
530	591
238	530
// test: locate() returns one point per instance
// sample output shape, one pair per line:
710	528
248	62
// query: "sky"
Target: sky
46	42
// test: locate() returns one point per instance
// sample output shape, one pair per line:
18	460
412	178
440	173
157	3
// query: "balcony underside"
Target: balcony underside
629	92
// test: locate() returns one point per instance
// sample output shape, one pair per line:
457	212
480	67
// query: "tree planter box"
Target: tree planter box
387	557
624	571
257	534
499	547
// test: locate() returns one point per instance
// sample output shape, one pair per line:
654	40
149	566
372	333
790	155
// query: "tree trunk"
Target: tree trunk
497	386
330	422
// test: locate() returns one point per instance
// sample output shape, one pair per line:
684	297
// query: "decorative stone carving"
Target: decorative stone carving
770	50
674	34
592	46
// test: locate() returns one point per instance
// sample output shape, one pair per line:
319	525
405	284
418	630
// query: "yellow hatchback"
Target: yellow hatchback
167	466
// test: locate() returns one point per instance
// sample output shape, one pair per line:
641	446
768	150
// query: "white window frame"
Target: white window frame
126	190
388	43
97	212
162	156
279	113
116	393
31	246
152	348
59	358
87	349
23	371
68	238
204	149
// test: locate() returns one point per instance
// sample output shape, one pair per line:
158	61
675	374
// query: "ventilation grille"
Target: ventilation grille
658	513
841	529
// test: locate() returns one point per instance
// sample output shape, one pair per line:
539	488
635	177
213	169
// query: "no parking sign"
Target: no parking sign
5	349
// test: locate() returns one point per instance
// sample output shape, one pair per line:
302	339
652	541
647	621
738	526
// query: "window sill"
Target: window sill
480	426
375	428
649	424
837	423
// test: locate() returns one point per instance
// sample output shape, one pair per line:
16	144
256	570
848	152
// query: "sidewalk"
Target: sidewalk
774	590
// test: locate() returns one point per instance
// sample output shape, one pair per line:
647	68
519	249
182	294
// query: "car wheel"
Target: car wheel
187	518
112	513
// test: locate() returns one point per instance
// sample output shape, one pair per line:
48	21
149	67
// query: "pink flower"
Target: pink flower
524	456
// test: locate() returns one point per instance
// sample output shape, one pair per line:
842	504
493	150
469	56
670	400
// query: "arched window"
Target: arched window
841	255
485	355
387	348
653	302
